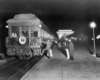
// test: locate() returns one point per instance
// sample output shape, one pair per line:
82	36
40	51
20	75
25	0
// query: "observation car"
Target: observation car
25	35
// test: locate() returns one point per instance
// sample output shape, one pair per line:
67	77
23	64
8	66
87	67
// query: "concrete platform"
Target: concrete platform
84	67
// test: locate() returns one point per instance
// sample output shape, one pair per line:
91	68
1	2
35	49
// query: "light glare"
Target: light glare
6	26
92	24
40	25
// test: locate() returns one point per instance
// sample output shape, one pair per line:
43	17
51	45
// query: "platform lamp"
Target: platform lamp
93	25
40	26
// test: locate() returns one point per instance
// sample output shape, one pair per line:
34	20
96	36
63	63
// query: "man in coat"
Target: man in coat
71	49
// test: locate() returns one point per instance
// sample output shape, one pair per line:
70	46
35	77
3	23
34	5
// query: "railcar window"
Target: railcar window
25	31
14	30
34	34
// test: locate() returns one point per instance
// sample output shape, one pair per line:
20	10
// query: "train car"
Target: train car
25	35
82	38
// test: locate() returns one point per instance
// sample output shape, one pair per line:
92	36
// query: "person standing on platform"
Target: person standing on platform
71	49
66	47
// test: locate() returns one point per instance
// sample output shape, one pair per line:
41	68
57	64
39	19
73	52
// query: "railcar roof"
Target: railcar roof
28	19
24	18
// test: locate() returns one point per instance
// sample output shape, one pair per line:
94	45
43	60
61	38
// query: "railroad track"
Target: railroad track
7	62
17	69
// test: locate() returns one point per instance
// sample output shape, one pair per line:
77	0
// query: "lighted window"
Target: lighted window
14	30
34	34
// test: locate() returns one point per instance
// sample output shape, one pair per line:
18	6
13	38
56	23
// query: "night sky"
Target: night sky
56	14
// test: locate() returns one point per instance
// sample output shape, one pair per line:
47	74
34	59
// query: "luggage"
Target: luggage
51	55
67	52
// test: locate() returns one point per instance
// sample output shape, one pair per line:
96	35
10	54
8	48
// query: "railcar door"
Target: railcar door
35	39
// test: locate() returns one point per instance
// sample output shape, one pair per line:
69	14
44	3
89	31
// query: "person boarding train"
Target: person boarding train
47	48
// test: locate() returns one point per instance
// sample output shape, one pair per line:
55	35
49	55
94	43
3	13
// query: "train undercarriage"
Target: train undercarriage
23	52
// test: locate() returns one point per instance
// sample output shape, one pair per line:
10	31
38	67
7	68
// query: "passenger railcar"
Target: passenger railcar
25	35
82	38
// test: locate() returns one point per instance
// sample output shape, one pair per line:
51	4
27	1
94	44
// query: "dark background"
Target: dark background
56	14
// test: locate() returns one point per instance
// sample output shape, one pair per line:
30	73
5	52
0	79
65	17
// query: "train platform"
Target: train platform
84	67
